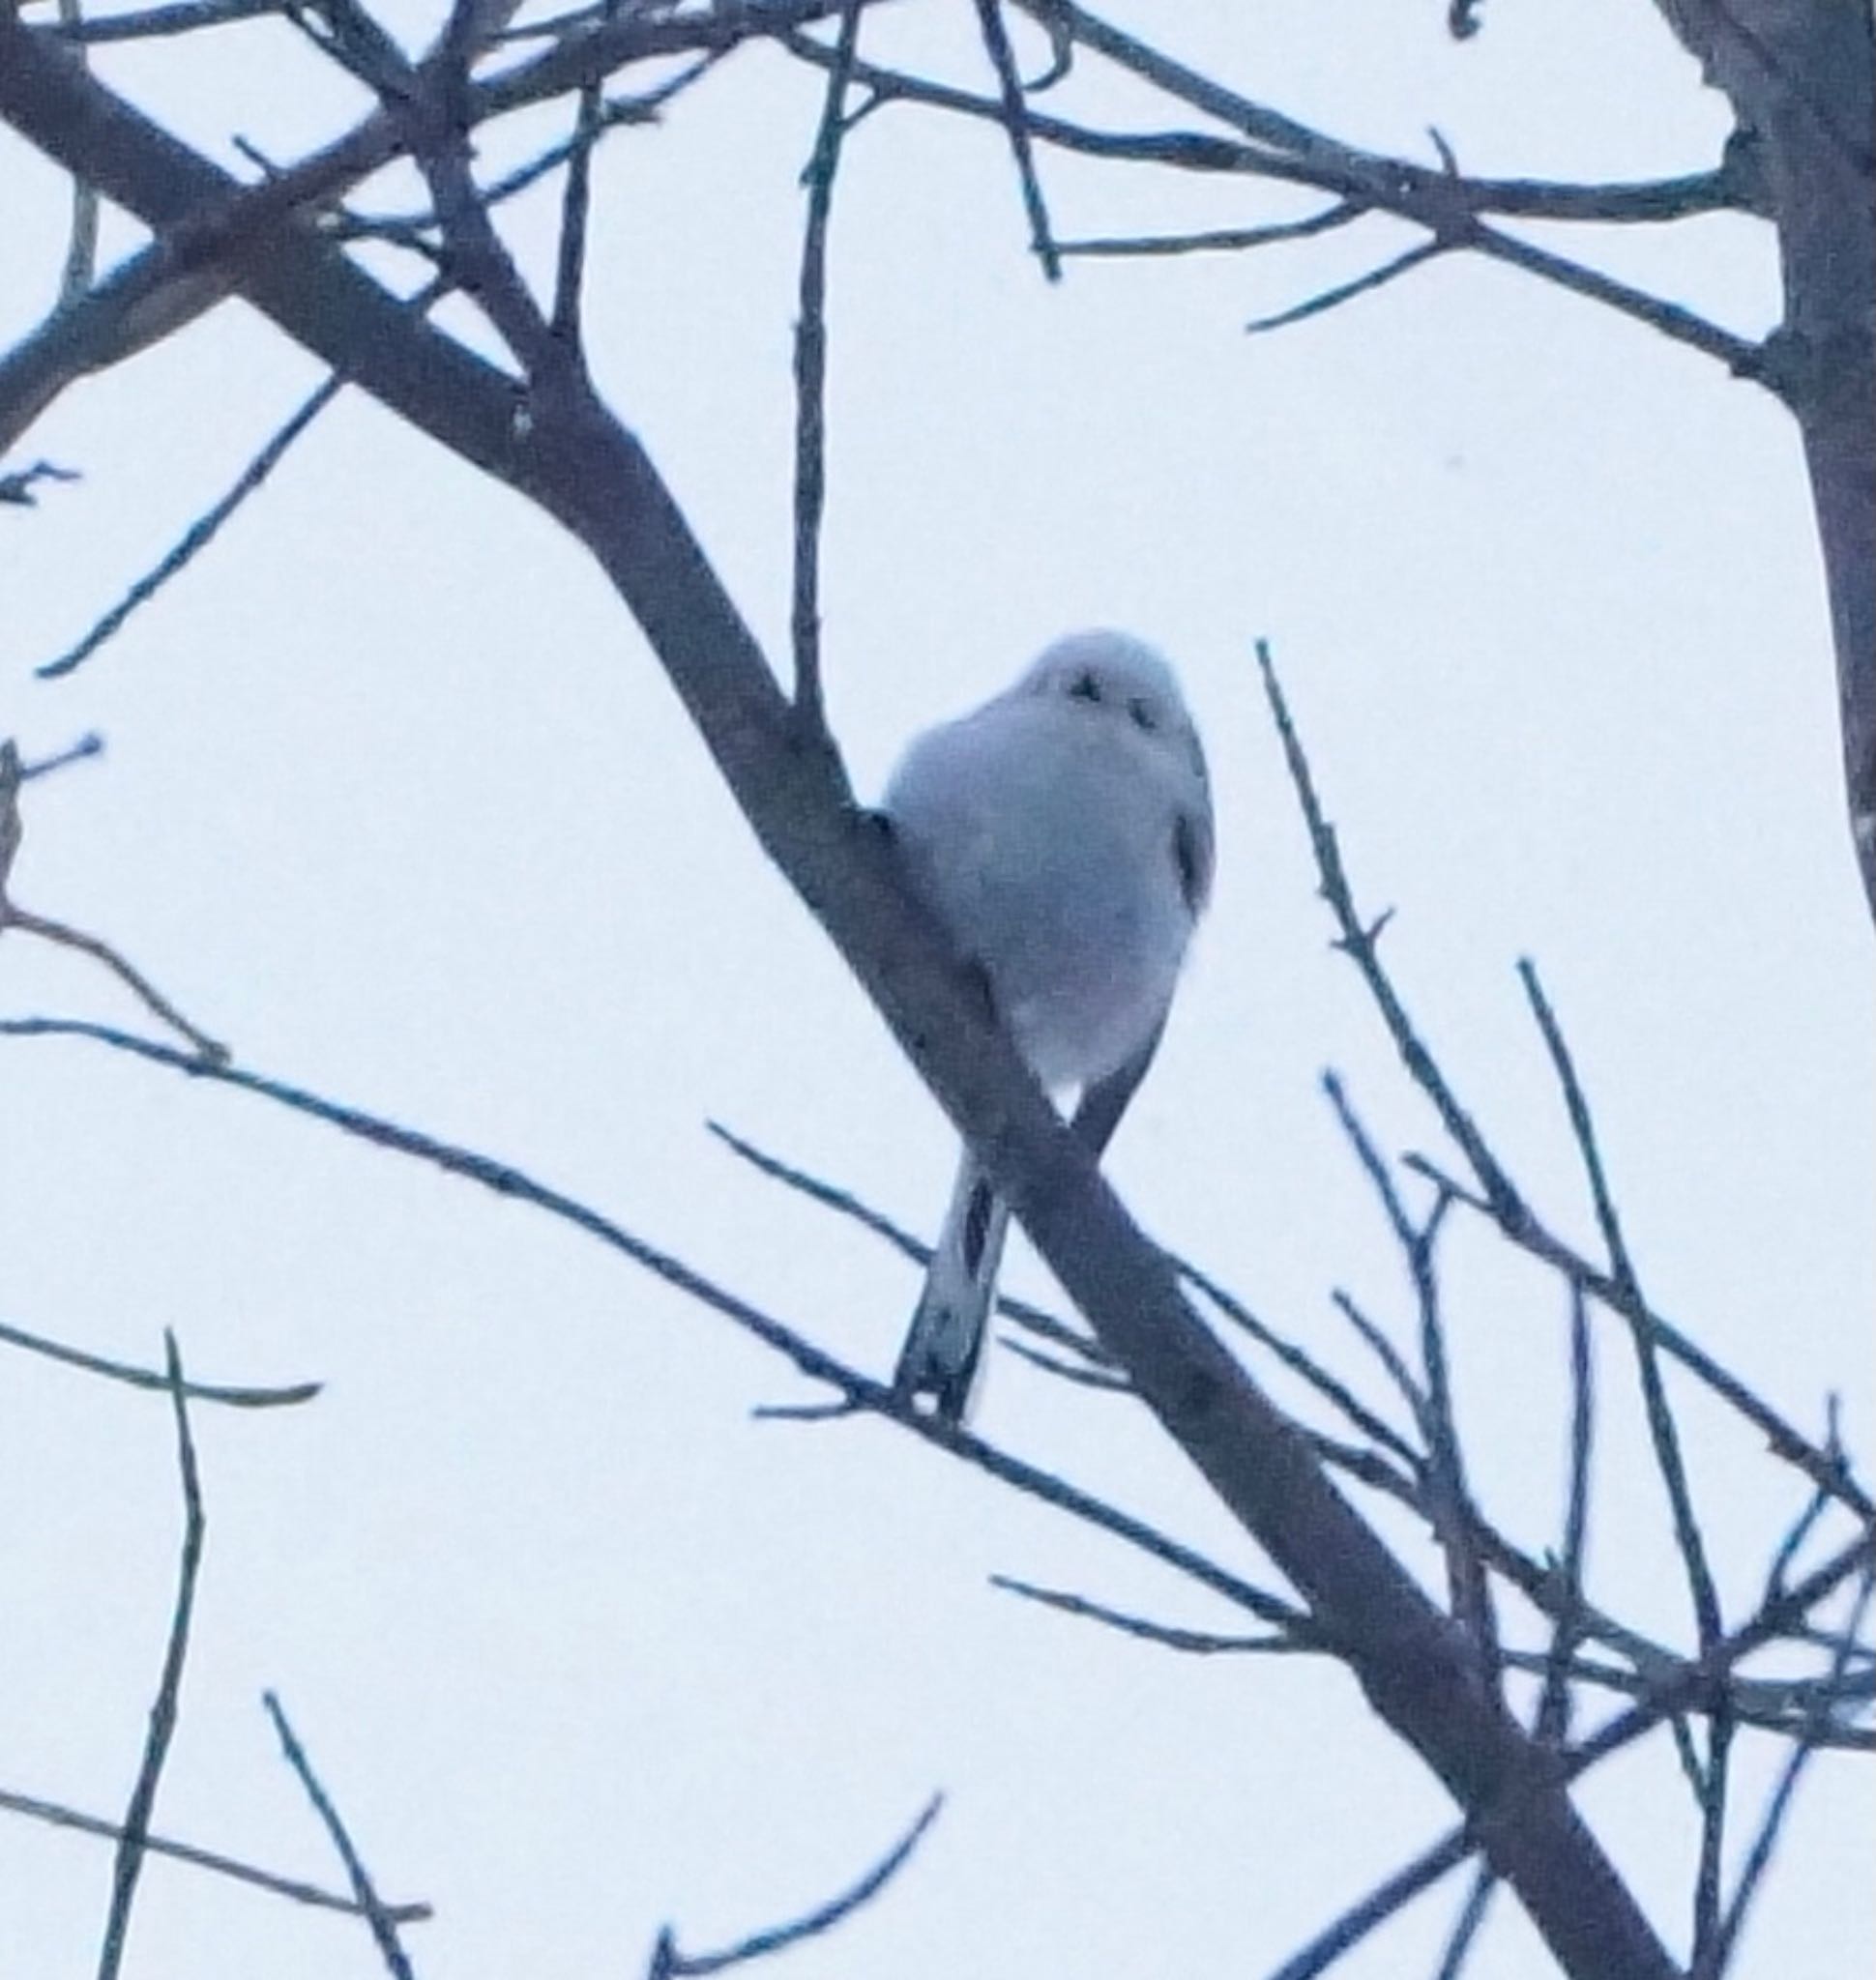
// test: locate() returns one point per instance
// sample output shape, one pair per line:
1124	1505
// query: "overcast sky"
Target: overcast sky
396	800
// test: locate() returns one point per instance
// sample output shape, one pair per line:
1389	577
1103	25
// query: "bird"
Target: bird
1063	836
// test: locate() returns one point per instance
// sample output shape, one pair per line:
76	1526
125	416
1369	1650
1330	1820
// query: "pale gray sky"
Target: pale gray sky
396	800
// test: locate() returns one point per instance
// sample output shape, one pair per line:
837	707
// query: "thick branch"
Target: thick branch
1801	78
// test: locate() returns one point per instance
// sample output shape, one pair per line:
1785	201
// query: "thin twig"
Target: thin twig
1377	1907
1694	1682
1299	1362
1553	1704
1760	1702
384	1927
130	1847
1346	292
1195	1642
1496	1197
1742	356
668	1963
1079	1373
1376	1340
1015	121
408	230
831	1196
1725	1938
1662	1701
1660	1416
147	23
58	1815
1357	940
1456	1520
211	1050
199	534
1828	1469
1466	1928
1815	1507
1449	208
576	209
810	387
89	744
815	1363
17	488
1715	1784
242	1398
1216	240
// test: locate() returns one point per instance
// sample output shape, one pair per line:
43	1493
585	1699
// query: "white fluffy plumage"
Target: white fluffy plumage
1062	832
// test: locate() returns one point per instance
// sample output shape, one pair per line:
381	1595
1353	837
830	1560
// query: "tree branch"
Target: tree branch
669	1964
131	1844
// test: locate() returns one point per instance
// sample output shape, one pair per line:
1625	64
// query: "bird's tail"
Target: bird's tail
945	1337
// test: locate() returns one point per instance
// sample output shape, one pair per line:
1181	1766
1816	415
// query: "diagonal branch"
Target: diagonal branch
1009	94
384	1927
859	1392
58	1815
669	1964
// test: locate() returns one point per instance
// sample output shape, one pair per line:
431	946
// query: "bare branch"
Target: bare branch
132	1842
240	1398
1217	240
1357	941
1466	1927
1767	1704
1377	1907
577	199
209	218
180	18
1660	1702
667	1963
147	993
1660	1416
199	534
1042	1325
1081	1373
1455	1521
1293	1358
1383	1350
1553	1706
88	746
811	388
1724	1939
1299	1362
1015	121
384	1927
1828	1469
17	488
1496	1197
861	1391
1345	292
1196	1642
301	1893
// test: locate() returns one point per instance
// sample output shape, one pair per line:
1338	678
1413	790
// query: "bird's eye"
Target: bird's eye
1085	687
1143	716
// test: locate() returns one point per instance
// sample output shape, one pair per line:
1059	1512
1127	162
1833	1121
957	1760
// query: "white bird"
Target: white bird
1063	834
